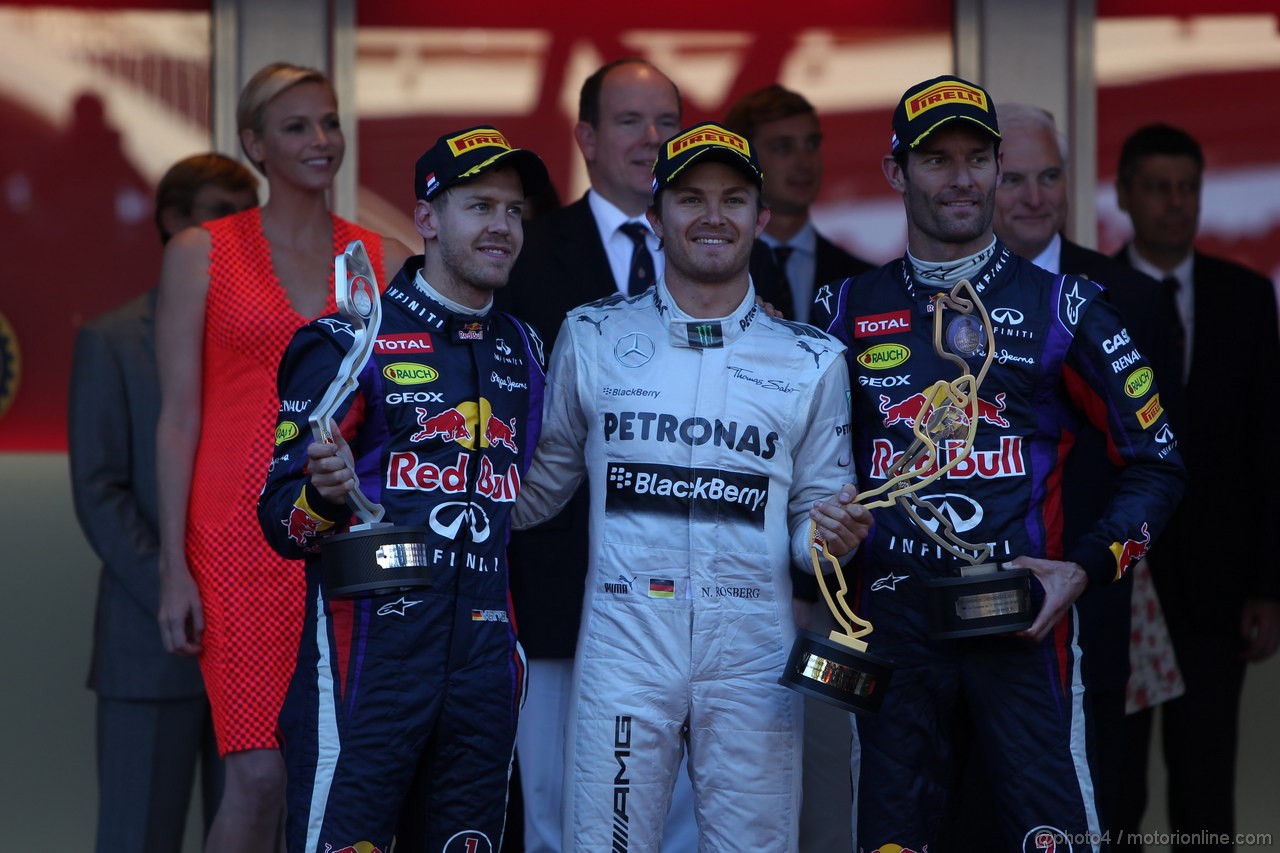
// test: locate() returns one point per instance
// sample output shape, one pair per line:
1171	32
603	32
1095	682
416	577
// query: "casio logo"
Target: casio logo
1110	345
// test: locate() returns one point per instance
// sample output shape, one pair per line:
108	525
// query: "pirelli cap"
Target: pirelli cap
927	106
461	156
700	144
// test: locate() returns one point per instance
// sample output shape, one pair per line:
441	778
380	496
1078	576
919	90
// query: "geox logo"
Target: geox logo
621	784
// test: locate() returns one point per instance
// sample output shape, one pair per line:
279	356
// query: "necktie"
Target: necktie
1170	285
780	256
642	274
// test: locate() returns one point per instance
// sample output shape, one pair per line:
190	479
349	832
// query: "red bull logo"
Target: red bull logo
406	471
917	406
1131	551
471	424
450	424
499	433
897	848
302	527
471	332
1005	461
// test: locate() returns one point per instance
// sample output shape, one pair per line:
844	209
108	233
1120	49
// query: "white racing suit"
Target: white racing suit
706	443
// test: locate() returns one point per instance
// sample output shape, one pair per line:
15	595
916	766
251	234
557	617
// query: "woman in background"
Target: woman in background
232	294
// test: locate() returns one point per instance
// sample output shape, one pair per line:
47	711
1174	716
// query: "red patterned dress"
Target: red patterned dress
252	598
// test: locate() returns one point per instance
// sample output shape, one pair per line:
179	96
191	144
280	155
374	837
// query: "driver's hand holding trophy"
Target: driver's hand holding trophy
987	597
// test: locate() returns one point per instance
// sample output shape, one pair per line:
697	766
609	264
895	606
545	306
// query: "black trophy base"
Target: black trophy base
836	674
382	558
993	600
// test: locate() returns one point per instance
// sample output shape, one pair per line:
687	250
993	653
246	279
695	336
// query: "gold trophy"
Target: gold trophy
985	598
373	556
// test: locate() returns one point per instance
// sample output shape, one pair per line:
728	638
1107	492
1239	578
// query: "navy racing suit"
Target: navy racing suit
417	690
1062	355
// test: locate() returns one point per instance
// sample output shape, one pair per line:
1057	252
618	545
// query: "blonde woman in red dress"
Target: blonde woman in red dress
232	294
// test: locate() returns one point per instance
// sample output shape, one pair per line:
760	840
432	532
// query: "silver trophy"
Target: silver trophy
373	556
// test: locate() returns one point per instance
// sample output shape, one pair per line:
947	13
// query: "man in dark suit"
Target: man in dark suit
783	128
1219	590
153	723
598	246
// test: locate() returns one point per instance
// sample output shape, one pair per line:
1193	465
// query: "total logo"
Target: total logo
405	471
1004	461
889	323
917	406
408	343
461	424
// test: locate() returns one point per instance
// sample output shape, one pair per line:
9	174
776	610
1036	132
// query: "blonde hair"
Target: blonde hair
263	88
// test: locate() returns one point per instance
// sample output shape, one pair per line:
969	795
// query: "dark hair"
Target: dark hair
1152	140
178	187
589	95
762	106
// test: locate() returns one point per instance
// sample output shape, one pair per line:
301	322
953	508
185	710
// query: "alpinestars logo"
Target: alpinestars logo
698	494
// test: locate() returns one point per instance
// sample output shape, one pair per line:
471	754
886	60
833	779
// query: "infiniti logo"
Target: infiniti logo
634	350
459	511
1007	316
962	511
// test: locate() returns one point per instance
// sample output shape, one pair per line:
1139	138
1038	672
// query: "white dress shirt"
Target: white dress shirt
617	245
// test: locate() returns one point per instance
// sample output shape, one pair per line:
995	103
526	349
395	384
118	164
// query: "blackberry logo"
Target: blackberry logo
698	494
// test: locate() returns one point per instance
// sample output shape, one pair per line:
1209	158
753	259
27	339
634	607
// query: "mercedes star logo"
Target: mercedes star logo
634	349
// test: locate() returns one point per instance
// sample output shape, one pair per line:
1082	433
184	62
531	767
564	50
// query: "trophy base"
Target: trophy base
836	674
987	599
378	559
